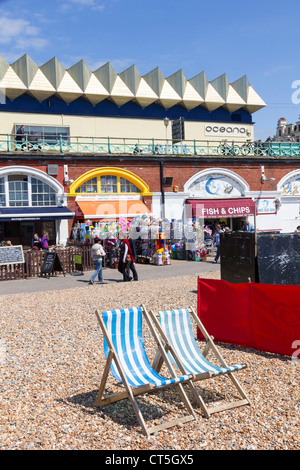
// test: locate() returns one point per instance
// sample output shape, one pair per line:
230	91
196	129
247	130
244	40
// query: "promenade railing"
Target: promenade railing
143	147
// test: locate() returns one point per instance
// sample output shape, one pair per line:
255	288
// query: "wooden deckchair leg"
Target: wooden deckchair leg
211	344
104	378
157	361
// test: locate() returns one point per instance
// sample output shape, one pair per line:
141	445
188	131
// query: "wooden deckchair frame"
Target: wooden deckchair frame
132	392
158	361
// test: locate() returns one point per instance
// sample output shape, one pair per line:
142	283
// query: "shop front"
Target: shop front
107	194
30	202
19	224
219	196
225	211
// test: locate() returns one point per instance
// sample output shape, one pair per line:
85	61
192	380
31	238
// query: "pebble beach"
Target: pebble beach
51	361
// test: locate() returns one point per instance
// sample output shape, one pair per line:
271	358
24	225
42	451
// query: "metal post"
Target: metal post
60	144
8	143
153	147
162	188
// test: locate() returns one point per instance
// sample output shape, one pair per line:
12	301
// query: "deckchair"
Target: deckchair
175	329
126	358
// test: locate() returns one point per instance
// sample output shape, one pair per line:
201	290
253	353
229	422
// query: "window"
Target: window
47	134
128	187
108	184
41	193
2	192
89	187
18	190
25	190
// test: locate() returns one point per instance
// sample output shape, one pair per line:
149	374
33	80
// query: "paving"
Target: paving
145	272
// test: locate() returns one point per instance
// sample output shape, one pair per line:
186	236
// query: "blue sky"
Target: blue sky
258	39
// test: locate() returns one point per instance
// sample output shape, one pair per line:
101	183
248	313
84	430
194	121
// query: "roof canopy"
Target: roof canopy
24	76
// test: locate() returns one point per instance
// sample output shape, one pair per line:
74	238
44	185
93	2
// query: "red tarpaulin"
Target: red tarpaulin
207	208
261	316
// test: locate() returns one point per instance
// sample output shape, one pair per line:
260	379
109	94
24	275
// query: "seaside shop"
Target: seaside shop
32	201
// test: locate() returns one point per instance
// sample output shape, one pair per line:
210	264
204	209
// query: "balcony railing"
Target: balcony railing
144	147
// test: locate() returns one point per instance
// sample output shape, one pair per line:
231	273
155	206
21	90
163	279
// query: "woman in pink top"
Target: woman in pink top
44	241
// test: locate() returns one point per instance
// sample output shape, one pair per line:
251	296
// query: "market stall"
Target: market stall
157	241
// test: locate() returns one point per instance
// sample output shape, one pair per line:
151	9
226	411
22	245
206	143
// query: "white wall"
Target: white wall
90	126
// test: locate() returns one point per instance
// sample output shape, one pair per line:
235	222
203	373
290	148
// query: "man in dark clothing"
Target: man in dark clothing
20	137
126	261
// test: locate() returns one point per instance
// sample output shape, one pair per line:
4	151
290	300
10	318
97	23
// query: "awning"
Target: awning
16	214
97	210
216	208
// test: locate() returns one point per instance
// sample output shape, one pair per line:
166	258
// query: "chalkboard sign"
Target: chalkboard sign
11	254
237	256
279	258
51	263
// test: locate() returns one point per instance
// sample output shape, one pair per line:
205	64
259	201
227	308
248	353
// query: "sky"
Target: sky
258	39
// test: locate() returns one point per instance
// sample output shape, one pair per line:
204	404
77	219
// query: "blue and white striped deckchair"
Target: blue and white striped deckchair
126	358
175	328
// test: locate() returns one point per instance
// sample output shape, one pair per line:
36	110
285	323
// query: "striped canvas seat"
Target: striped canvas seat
125	329
127	360
175	329
178	328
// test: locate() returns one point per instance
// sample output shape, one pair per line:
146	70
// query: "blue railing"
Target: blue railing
144	147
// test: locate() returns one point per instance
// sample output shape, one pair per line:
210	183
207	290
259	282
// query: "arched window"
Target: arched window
19	190
109	180
107	184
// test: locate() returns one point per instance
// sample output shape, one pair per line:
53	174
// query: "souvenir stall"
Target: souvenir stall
157	241
188	240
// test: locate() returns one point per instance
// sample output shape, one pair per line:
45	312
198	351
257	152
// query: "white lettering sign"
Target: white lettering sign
226	131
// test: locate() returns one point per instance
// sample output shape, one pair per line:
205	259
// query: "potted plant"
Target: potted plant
203	254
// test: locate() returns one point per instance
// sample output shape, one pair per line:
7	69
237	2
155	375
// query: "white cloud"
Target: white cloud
20	33
93	4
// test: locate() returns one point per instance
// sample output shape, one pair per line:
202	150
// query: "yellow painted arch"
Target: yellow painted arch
107	170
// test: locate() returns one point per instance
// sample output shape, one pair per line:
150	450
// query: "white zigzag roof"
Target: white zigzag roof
24	76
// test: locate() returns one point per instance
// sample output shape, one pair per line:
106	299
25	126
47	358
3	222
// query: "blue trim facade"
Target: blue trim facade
106	108
18	214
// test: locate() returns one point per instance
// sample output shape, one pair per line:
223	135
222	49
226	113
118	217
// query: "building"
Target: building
287	132
99	145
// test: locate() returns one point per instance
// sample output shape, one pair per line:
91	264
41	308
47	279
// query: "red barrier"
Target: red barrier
261	316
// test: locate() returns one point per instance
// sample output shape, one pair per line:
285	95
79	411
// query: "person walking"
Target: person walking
97	254
126	260
217	241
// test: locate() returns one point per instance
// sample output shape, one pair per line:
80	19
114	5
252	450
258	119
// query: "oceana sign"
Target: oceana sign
229	130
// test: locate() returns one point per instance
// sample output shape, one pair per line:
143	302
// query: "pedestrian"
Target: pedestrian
36	242
111	250
127	258
97	254
247	227
298	229
217	241
44	241
20	138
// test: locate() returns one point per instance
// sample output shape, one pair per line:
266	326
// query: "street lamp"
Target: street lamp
166	123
